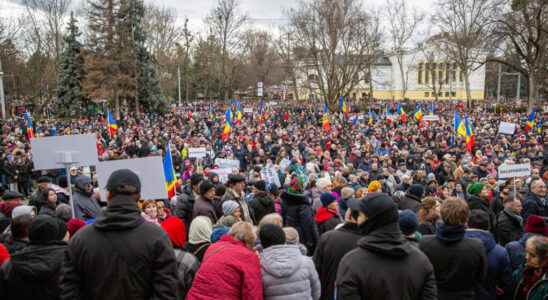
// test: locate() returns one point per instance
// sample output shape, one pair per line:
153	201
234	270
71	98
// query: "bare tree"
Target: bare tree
162	31
188	37
52	15
465	29
225	22
285	47
524	28
341	38
402	28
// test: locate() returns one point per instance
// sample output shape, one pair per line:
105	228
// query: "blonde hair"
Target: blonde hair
243	231
291	235
455	211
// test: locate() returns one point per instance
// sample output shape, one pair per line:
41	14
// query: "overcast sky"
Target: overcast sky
264	13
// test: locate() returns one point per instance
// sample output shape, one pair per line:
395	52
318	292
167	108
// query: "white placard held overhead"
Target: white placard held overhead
54	152
248	110
518	170
222	173
149	169
431	118
507	128
227	163
269	175
197	152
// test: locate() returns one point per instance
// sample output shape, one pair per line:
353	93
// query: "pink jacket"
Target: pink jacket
229	271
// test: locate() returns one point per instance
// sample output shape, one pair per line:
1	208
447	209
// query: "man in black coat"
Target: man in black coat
185	201
120	256
333	245
535	202
261	203
460	263
413	198
36	271
384	266
509	222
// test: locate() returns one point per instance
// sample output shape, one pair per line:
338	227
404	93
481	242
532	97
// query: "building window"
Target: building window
454	72
426	94
440	76
446	94
453	94
419	75
440	94
447	71
427	73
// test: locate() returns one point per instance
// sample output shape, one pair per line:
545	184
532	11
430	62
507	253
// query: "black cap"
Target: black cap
195	179
205	186
10	195
373	204
44	229
124	182
44	179
235	178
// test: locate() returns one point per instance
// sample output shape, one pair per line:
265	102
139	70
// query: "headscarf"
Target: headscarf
200	230
175	229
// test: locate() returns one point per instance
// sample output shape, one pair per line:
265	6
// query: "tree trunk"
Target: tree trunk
532	93
467	88
403	79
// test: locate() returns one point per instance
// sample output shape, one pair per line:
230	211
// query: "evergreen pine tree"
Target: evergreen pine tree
70	95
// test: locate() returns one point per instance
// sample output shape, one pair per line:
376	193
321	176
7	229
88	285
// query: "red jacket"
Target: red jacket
229	270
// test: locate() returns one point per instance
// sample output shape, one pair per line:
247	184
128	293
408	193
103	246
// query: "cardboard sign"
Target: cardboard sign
270	175
50	152
507	128
248	110
431	118
222	173
197	152
149	169
227	163
518	170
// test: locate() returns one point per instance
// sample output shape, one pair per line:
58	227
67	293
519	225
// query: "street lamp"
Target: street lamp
2	97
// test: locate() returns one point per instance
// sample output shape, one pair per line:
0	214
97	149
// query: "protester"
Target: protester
123	246
150	212
48	207
74	225
185	201
204	203
36	271
261	203
327	216
428	215
409	223
187	264
536	203
230	209
478	199
333	245
18	238
292	238
235	192
535	225
384	266
532	281
230	269
286	272
86	206
41	195
498	281
199	236
509	222
460	263
413	198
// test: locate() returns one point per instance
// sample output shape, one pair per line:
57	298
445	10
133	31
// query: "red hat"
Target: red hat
4	254
536	224
73	225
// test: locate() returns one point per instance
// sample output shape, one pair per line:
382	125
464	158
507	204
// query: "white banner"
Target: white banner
227	163
248	110
509	171
270	175
197	152
223	173
507	128
431	118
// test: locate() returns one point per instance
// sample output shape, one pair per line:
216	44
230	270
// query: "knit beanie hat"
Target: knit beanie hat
347	192
229	207
408	222
260	185
374	186
327	198
475	188
73	225
44	229
218	232
536	224
271	235
416	190
296	186
478	219
196	179
205	186
323	182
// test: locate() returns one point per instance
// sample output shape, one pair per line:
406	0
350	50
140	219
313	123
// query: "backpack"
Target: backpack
187	266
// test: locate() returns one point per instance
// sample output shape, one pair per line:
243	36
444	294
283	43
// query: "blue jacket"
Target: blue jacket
516	251
533	205
499	271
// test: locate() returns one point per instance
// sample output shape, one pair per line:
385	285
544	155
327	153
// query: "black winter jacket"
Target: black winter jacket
333	245
385	267
185	205
120	257
410	202
459	263
297	213
509	228
34	273
261	205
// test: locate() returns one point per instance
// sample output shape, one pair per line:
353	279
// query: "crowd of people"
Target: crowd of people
375	205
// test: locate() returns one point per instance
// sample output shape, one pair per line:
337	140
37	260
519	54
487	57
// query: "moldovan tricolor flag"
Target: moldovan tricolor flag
169	173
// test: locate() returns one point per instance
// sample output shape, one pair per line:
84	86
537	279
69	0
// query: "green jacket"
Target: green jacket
539	291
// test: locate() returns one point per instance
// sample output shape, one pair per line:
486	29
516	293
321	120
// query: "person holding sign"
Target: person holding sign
120	256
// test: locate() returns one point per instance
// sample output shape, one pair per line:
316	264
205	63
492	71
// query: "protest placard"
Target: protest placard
197	152
431	118
507	128
227	163
517	170
53	152
222	173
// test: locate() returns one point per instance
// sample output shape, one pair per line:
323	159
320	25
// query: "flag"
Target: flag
325	118
539	127
456	124
30	127
112	124
370	117
169	173
401	112
469	135
461	127
530	121
227	128
343	106
418	114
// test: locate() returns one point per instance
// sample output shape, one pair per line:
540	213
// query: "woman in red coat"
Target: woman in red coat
230	268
